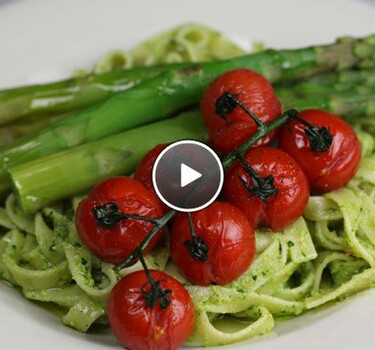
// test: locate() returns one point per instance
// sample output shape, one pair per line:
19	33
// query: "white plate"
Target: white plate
43	40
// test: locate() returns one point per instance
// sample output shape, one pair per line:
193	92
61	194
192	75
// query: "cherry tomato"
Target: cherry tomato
140	327
330	170
255	92
143	172
230	240
292	188
114	244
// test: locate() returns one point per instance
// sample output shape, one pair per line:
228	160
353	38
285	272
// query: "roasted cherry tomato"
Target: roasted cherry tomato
224	234
329	170
116	239
254	92
143	172
281	183
141	327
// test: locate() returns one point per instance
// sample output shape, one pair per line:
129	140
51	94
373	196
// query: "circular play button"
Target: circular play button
187	176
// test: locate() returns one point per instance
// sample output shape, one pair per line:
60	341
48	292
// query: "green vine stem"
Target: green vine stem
261	132
159	223
108	215
156	293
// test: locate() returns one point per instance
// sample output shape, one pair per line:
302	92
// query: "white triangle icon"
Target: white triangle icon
188	175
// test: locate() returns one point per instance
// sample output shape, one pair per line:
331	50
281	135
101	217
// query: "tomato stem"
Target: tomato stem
320	138
227	103
156	293
198	249
224	105
263	187
159	223
108	215
261	132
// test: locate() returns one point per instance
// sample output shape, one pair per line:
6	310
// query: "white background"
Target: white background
46	39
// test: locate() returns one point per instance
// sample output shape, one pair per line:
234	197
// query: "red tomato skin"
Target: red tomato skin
143	172
116	244
326	171
280	210
229	236
255	92
139	327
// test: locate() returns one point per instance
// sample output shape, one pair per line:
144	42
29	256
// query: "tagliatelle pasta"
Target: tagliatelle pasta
186	43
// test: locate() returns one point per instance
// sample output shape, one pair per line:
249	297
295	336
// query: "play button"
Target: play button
188	176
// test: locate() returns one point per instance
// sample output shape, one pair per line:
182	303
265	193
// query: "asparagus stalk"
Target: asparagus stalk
349	93
74	171
326	83
174	90
80	92
14	131
348	104
49	179
71	94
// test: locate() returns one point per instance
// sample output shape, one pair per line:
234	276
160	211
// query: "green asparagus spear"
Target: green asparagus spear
76	170
326	83
77	93
50	179
14	131
349	93
69	95
174	90
350	104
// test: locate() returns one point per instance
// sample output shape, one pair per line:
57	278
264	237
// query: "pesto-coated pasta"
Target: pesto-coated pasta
186	43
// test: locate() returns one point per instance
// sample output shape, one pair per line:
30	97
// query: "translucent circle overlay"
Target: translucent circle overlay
200	193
